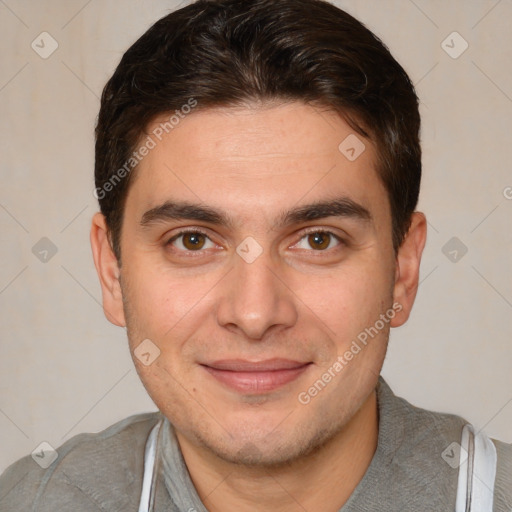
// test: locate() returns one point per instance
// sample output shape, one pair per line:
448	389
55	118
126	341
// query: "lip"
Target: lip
255	376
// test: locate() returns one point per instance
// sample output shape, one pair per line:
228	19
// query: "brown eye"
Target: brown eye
319	241
191	241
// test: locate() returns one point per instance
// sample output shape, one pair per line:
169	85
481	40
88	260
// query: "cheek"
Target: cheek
350	298
163	305
152	289
169	389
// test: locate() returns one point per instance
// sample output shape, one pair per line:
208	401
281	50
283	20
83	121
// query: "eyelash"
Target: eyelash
340	240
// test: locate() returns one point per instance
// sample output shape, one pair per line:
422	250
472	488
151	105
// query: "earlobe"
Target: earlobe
107	267
408	267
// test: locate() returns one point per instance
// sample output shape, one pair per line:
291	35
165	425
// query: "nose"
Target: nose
255	299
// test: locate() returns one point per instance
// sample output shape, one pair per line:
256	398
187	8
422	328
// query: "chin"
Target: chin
268	450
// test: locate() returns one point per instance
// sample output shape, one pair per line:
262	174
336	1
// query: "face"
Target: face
254	255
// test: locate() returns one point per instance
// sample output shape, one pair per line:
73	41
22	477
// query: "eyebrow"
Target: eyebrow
182	210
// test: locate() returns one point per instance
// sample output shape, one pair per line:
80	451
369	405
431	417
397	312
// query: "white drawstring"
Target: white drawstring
477	472
149	468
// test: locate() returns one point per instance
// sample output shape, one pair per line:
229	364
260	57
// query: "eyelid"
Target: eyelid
184	231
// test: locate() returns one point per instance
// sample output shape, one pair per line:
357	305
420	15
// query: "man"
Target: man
258	167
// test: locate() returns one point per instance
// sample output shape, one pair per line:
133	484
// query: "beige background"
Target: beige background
64	369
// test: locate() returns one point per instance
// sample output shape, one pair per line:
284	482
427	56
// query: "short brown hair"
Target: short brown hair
227	52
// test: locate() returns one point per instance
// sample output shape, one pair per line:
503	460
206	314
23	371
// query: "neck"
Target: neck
327	477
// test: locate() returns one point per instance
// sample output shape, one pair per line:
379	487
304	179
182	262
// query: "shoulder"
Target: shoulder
419	449
427	449
101	471
416	427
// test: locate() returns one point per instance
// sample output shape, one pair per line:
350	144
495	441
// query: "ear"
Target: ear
407	269
108	271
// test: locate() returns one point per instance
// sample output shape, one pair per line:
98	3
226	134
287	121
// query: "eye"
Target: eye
318	240
191	241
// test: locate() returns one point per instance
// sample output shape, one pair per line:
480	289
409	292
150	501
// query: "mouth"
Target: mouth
255	377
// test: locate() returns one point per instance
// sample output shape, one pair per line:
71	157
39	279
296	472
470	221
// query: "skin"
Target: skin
298	300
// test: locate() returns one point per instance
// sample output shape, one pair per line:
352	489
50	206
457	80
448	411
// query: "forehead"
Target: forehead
256	159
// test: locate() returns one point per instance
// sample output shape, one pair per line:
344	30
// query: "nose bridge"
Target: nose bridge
254	298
